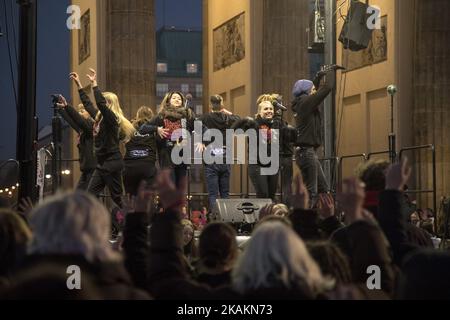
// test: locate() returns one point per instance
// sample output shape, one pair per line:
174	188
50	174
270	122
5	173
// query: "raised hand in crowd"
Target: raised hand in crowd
92	76
300	196
397	175
171	197
351	200
76	78
326	206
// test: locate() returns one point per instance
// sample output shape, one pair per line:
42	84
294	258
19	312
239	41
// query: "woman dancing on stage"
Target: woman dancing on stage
83	124
264	123
140	156
109	129
172	115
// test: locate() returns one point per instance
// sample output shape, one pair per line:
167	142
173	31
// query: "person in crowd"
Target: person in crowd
15	236
141	152
373	175
218	253
263	125
308	97
277	265
425	276
217	174
279	210
189	243
362	240
332	261
73	229
172	118
82	123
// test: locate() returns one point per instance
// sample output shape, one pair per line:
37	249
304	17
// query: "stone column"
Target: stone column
130	55
431	89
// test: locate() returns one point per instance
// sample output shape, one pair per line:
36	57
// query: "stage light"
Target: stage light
48	176
7	189
13	187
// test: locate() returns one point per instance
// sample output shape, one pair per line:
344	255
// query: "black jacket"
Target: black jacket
160	268
219	121
84	128
268	137
106	133
108	280
308	116
141	147
181	118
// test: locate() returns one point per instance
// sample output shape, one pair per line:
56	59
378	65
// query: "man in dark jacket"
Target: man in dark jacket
218	173
308	96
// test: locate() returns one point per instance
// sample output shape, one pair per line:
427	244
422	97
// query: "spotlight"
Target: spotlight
48	176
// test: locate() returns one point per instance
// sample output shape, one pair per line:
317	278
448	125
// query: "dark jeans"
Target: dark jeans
265	186
135	173
112	180
85	178
312	172
217	182
287	172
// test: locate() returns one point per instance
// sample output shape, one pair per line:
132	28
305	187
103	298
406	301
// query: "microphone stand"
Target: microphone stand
392	137
56	159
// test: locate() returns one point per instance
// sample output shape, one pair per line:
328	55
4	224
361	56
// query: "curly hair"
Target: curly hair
373	174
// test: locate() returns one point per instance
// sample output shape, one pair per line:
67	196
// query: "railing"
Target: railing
336	170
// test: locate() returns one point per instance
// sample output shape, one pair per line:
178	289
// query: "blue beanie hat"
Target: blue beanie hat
301	87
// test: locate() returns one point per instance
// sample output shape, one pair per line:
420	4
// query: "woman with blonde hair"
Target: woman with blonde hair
277	265
265	124
140	155
171	118
110	128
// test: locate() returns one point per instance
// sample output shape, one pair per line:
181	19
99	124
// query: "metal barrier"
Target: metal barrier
433	190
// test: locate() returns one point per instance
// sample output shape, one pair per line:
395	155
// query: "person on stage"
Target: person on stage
110	128
308	96
286	146
140	155
264	124
83	124
217	175
173	115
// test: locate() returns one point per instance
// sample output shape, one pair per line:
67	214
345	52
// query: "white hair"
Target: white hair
275	256
72	223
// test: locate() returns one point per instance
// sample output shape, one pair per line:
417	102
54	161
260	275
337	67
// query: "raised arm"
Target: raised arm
100	100
85	100
62	109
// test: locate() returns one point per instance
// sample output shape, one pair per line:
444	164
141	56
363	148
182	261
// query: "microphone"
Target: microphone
278	105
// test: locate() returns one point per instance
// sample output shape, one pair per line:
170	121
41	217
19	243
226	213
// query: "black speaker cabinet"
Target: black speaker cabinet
239	211
355	34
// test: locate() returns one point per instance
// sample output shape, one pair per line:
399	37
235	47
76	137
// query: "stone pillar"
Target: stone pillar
129	53
285	46
431	89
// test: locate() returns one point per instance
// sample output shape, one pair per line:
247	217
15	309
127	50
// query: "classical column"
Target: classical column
285	45
130	55
431	87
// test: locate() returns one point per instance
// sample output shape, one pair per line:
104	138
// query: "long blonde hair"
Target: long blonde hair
126	128
276	256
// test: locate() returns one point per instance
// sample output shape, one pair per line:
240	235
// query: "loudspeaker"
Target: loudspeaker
355	34
239	211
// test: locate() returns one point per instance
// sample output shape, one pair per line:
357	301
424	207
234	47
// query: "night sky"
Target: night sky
53	56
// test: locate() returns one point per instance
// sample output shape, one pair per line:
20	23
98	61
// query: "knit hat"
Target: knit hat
302	87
